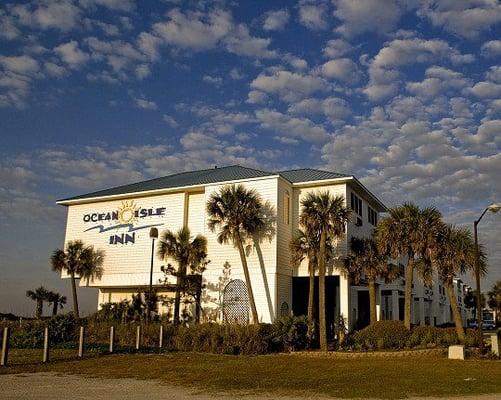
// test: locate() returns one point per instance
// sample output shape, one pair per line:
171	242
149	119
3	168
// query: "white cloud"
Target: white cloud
342	69
213	80
142	71
240	42
194	30
170	121
487	90
313	16
336	48
71	54
24	65
115	5
438	80
145	104
466	18
256	97
235	74
288	85
494	74
275	20
335	109
492	48
298	128
48	14
359	16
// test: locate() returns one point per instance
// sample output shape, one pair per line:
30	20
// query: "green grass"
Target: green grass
286	374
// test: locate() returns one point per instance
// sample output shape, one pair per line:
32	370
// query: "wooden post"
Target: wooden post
112	338
45	357
5	347
161	337
138	337
81	342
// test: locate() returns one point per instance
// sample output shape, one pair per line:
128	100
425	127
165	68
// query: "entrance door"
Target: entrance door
363	319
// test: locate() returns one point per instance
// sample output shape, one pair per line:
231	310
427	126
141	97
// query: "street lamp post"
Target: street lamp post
153	236
494	208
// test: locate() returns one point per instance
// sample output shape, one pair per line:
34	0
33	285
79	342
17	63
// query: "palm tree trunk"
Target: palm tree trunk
177	300
321	293
255	318
39	309
74	293
409	276
455	312
54	308
372	300
311	290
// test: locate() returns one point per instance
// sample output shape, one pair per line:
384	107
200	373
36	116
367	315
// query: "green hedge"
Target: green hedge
393	335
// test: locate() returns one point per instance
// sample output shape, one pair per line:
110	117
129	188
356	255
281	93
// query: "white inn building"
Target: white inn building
118	221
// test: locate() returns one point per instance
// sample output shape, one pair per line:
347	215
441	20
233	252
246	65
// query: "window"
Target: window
372	216
287	205
356	204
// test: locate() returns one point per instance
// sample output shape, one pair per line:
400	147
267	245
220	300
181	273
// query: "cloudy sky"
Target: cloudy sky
406	95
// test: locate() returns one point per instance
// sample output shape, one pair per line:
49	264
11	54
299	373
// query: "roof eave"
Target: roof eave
74	201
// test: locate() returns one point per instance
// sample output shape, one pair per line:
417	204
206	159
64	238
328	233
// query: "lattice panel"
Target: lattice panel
236	303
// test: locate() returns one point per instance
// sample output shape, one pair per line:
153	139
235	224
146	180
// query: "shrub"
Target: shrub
381	335
290	333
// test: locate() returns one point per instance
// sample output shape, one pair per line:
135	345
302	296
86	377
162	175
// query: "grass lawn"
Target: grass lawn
285	374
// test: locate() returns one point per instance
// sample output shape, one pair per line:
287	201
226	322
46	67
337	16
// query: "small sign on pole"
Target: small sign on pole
81	342
45	345
138	337
112	338
161	337
5	347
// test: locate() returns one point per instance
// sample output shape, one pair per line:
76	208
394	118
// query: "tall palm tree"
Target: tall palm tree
236	213
187	252
410	232
79	261
454	254
57	300
365	260
324	215
39	295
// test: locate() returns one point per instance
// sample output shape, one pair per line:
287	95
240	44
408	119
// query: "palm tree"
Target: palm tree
237	214
365	260
410	232
57	300
187	252
326	216
494	296
307	245
453	255
39	295
80	261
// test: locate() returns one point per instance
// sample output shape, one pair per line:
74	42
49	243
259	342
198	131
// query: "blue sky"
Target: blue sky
406	95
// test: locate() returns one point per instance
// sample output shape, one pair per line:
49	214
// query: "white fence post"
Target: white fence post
138	337
81	342
45	357
5	347
161	337
112	339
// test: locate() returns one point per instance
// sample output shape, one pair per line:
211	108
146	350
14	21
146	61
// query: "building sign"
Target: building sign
128	216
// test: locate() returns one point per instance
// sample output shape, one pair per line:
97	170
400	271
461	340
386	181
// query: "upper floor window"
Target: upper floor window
356	204
372	215
287	205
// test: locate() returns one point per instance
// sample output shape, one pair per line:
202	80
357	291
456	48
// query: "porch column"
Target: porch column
394	305
344	301
421	311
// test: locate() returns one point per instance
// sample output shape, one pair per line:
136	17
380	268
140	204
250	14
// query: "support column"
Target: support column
395	311
345	301
421	311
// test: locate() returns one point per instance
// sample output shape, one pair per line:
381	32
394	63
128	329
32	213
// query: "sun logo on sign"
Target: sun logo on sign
127	212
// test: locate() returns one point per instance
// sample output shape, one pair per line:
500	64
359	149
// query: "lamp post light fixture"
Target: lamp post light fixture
494	208
153	236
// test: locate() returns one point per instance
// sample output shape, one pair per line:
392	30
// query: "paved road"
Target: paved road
45	386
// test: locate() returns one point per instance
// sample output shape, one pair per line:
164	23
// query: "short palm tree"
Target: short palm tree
307	245
188	252
453	255
325	216
39	295
237	214
410	232
57	300
366	261
494	296
79	261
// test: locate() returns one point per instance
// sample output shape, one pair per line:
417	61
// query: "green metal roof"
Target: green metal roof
208	176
